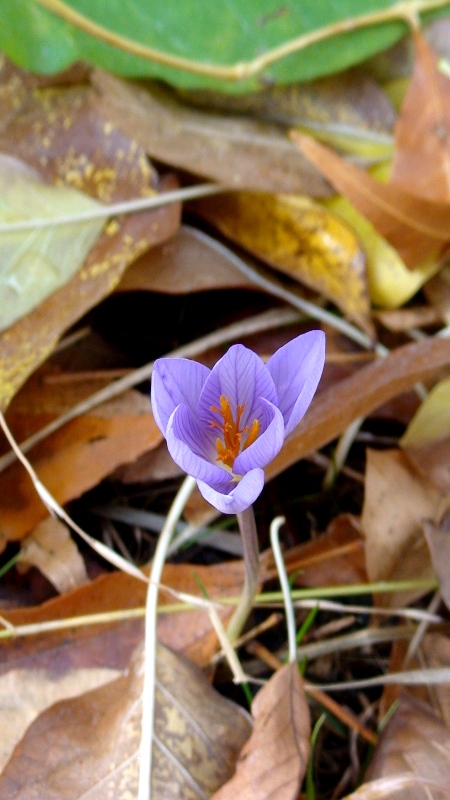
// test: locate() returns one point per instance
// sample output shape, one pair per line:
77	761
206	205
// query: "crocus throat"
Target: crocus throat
229	447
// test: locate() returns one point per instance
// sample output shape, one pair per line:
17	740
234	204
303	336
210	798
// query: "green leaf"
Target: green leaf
225	32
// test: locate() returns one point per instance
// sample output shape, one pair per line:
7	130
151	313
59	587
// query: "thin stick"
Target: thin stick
247	527
125	207
148	694
285	588
404	11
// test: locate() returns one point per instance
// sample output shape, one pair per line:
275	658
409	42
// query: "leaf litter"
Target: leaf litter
377	530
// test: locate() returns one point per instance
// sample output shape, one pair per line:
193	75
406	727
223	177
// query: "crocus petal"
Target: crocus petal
191	449
242	378
296	369
239	498
268	443
175	381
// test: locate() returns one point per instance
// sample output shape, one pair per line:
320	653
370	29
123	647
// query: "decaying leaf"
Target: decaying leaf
63	134
243	154
189	631
332	559
416	227
189	262
52	550
302	239
76	458
395	503
421	163
28	342
390	282
89	746
348	110
35	263
438	540
431	422
414	746
273	761
435	651
26	693
358	395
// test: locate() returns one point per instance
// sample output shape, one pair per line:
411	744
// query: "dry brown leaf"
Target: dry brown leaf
302	239
415	226
76	458
437	291
88	747
334	559
343	106
189	632
273	761
432	461
188	262
435	651
438	540
360	394
239	153
28	343
63	134
421	162
26	693
395	503
415	745
52	550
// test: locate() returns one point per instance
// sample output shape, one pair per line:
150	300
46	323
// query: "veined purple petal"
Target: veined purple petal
175	381
296	369
268	443
241	496
241	377
191	449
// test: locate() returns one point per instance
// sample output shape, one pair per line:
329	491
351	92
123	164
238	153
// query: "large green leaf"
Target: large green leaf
222	32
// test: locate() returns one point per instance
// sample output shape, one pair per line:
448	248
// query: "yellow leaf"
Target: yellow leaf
34	263
300	238
432	421
391	283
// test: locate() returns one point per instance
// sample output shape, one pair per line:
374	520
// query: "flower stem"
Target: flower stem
247	527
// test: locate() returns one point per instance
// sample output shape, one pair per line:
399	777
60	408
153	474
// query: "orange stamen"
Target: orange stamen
231	445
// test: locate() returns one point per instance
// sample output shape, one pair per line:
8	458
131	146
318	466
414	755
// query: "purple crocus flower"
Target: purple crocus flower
223	425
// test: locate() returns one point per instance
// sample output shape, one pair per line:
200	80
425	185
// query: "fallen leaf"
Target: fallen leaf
89	746
76	458
431	422
300	238
26	693
390	282
359	395
35	263
52	550
403	319
65	136
189	631
438	540
437	292
421	163
273	761
395	503
415	745
416	227
190	261
435	651
240	153
349	109
431	460
28	342
336	558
